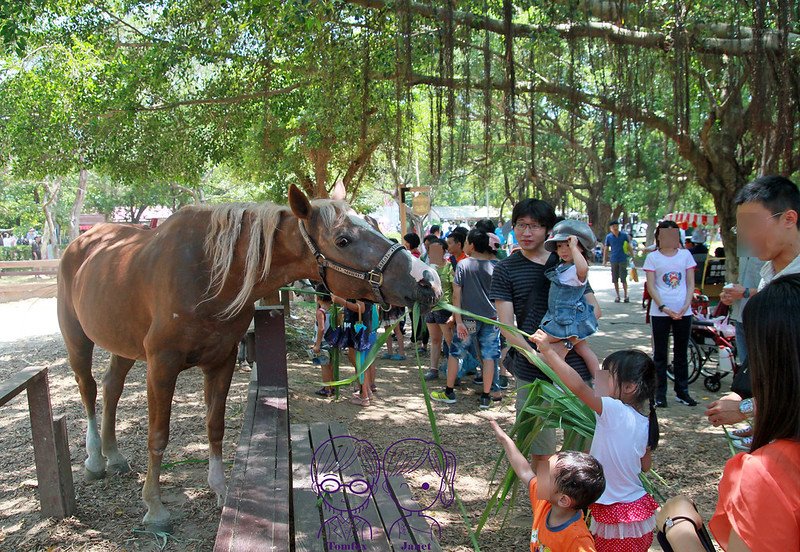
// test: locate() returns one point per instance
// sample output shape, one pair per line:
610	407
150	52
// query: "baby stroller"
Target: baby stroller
712	345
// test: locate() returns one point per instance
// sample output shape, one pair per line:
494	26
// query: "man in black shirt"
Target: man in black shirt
520	290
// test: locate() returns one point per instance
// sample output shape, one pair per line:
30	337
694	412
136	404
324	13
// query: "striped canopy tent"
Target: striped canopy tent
694	220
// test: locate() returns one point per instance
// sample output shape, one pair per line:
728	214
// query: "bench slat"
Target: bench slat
256	513
307	518
379	539
319	434
421	533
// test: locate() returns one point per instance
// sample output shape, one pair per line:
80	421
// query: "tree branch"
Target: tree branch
206	101
596	29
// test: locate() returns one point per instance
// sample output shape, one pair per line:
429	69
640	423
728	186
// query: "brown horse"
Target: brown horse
182	295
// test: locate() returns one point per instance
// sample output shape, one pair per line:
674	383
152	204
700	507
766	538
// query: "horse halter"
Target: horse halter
374	276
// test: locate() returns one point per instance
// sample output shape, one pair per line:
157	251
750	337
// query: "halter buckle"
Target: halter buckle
375	278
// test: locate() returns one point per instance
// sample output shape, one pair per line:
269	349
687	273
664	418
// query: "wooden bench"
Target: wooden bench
47	267
50	449
272	503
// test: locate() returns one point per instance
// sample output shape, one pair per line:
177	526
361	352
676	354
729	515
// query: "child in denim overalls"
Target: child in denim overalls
570	319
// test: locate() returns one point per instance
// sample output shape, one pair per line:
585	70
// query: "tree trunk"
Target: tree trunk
77	205
51	191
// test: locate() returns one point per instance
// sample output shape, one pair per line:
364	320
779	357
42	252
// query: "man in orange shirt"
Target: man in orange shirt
560	488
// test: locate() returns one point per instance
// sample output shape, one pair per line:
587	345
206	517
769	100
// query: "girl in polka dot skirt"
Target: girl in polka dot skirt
623	518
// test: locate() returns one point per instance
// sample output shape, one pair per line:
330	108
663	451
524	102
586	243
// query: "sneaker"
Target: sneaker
397	357
661	403
684	398
478	380
502	382
616	300
627	300
443	396
485	403
386	356
431	375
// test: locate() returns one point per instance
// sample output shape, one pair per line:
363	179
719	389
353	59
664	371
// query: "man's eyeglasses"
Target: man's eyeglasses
750	224
521	227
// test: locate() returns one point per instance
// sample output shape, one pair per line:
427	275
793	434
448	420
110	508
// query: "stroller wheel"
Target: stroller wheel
712	383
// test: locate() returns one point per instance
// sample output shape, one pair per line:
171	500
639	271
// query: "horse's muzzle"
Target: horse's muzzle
429	289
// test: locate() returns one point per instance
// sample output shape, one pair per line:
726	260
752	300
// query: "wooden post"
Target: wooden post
56	492
271	346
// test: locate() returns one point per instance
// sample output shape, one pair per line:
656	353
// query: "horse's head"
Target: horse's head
358	261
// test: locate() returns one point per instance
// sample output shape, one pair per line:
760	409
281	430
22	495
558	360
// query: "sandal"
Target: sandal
746	431
358	401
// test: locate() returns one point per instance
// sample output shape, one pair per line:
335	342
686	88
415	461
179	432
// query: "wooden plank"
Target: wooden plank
264	509
282	490
320	433
18	292
306	513
237	481
377	538
390	513
423	532
53	502
17	383
65	482
261	504
46	264
271	346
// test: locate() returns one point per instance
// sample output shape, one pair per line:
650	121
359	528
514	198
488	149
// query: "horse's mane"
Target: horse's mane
225	229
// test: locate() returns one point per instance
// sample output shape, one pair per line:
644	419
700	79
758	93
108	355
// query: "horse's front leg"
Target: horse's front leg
162	374
217	384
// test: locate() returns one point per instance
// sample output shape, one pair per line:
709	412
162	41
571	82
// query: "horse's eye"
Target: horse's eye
342	241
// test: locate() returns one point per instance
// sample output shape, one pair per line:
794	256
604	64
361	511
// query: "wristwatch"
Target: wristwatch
746	293
662	307
746	408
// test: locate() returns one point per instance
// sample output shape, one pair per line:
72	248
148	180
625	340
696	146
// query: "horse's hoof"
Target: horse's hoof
117	469
159	527
90	475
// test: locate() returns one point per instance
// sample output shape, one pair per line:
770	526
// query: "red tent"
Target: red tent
685	220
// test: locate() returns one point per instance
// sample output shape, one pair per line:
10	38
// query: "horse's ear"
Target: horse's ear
299	203
339	192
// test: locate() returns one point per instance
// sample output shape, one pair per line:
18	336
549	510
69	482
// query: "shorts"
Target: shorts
488	341
438	317
619	271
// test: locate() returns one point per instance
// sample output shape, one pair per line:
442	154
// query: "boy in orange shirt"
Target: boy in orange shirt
560	488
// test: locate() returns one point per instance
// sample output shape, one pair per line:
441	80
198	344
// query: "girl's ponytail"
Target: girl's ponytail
652	429
633	366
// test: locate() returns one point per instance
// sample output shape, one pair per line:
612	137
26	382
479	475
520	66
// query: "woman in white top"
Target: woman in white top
670	282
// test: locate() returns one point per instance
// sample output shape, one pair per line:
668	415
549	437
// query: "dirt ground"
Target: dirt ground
690	457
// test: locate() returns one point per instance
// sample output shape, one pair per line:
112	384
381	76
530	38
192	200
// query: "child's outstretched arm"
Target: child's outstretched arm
567	374
518	462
